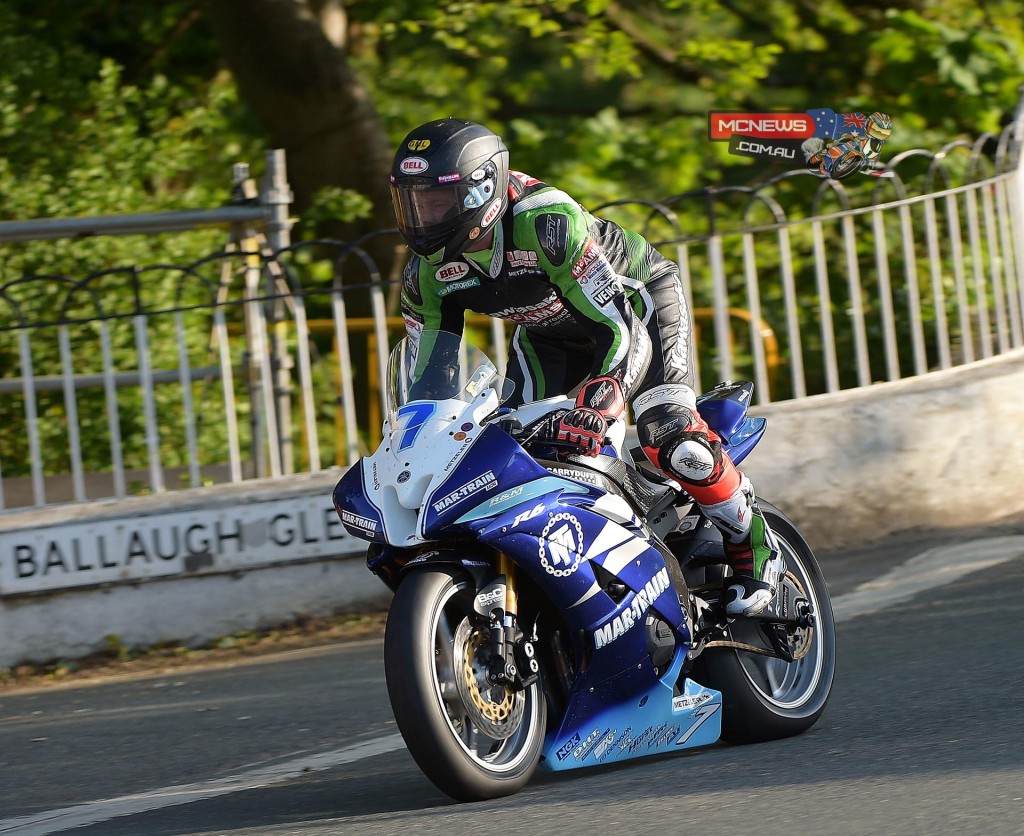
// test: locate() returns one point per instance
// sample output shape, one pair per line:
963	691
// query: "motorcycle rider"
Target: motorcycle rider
595	306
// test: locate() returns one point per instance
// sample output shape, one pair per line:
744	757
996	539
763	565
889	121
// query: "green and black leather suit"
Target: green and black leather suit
587	297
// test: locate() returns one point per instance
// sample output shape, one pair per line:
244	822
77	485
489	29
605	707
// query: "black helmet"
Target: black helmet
449	184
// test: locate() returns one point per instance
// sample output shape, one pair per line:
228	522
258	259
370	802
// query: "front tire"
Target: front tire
763	697
473	740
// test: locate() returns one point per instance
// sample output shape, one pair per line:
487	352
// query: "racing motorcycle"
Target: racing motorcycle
563	611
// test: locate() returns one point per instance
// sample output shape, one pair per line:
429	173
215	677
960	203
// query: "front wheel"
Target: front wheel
763	697
472	739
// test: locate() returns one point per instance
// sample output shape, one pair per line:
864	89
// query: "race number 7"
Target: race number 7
411	419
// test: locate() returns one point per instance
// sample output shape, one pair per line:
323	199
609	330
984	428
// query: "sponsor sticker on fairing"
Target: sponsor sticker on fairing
507	496
561	545
566	748
602	747
685	702
618	626
357	521
485	482
490	597
591	742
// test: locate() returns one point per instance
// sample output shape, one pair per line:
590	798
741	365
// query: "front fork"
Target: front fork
513	658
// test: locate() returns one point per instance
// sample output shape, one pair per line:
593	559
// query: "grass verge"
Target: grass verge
117	659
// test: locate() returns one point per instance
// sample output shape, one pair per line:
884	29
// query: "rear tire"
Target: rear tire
765	698
472	740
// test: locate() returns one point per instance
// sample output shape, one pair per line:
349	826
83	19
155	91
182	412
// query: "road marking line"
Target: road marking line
92	812
930	569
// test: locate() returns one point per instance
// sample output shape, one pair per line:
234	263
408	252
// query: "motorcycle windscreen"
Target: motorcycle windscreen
437	366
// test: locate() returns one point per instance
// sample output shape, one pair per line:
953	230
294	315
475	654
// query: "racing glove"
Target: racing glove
598	404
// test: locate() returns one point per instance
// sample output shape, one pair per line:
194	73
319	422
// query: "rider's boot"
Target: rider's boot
751	552
695	458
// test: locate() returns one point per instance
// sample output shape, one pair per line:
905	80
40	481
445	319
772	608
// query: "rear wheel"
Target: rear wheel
763	697
474	740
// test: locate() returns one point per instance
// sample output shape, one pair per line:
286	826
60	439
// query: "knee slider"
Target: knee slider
691	458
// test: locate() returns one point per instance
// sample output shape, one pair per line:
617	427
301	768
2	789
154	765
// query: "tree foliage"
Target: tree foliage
118	107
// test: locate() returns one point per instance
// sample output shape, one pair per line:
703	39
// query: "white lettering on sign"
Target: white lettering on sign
203	541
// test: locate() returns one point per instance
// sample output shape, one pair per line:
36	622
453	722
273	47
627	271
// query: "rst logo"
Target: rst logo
722	126
451	271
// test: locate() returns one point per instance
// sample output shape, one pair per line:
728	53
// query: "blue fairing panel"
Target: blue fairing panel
605	726
478	478
744	439
360	516
560	544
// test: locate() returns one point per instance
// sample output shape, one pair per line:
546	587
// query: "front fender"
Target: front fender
392	564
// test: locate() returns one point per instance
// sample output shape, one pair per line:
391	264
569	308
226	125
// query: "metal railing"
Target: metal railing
265	358
864	281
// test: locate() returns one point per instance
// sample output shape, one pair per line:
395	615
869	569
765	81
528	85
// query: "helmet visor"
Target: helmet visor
421	208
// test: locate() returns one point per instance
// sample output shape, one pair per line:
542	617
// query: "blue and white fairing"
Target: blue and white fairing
442	473
387	497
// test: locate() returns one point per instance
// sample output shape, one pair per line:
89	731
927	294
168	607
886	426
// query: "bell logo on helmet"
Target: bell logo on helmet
492	213
451	272
414	165
418	144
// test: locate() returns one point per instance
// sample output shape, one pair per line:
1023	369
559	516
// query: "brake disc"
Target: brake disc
496	710
800	639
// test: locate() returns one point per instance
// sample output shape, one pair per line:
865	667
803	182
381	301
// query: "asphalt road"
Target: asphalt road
924	735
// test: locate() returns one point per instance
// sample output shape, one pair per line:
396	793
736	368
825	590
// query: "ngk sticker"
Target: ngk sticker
492	213
451	271
413	165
